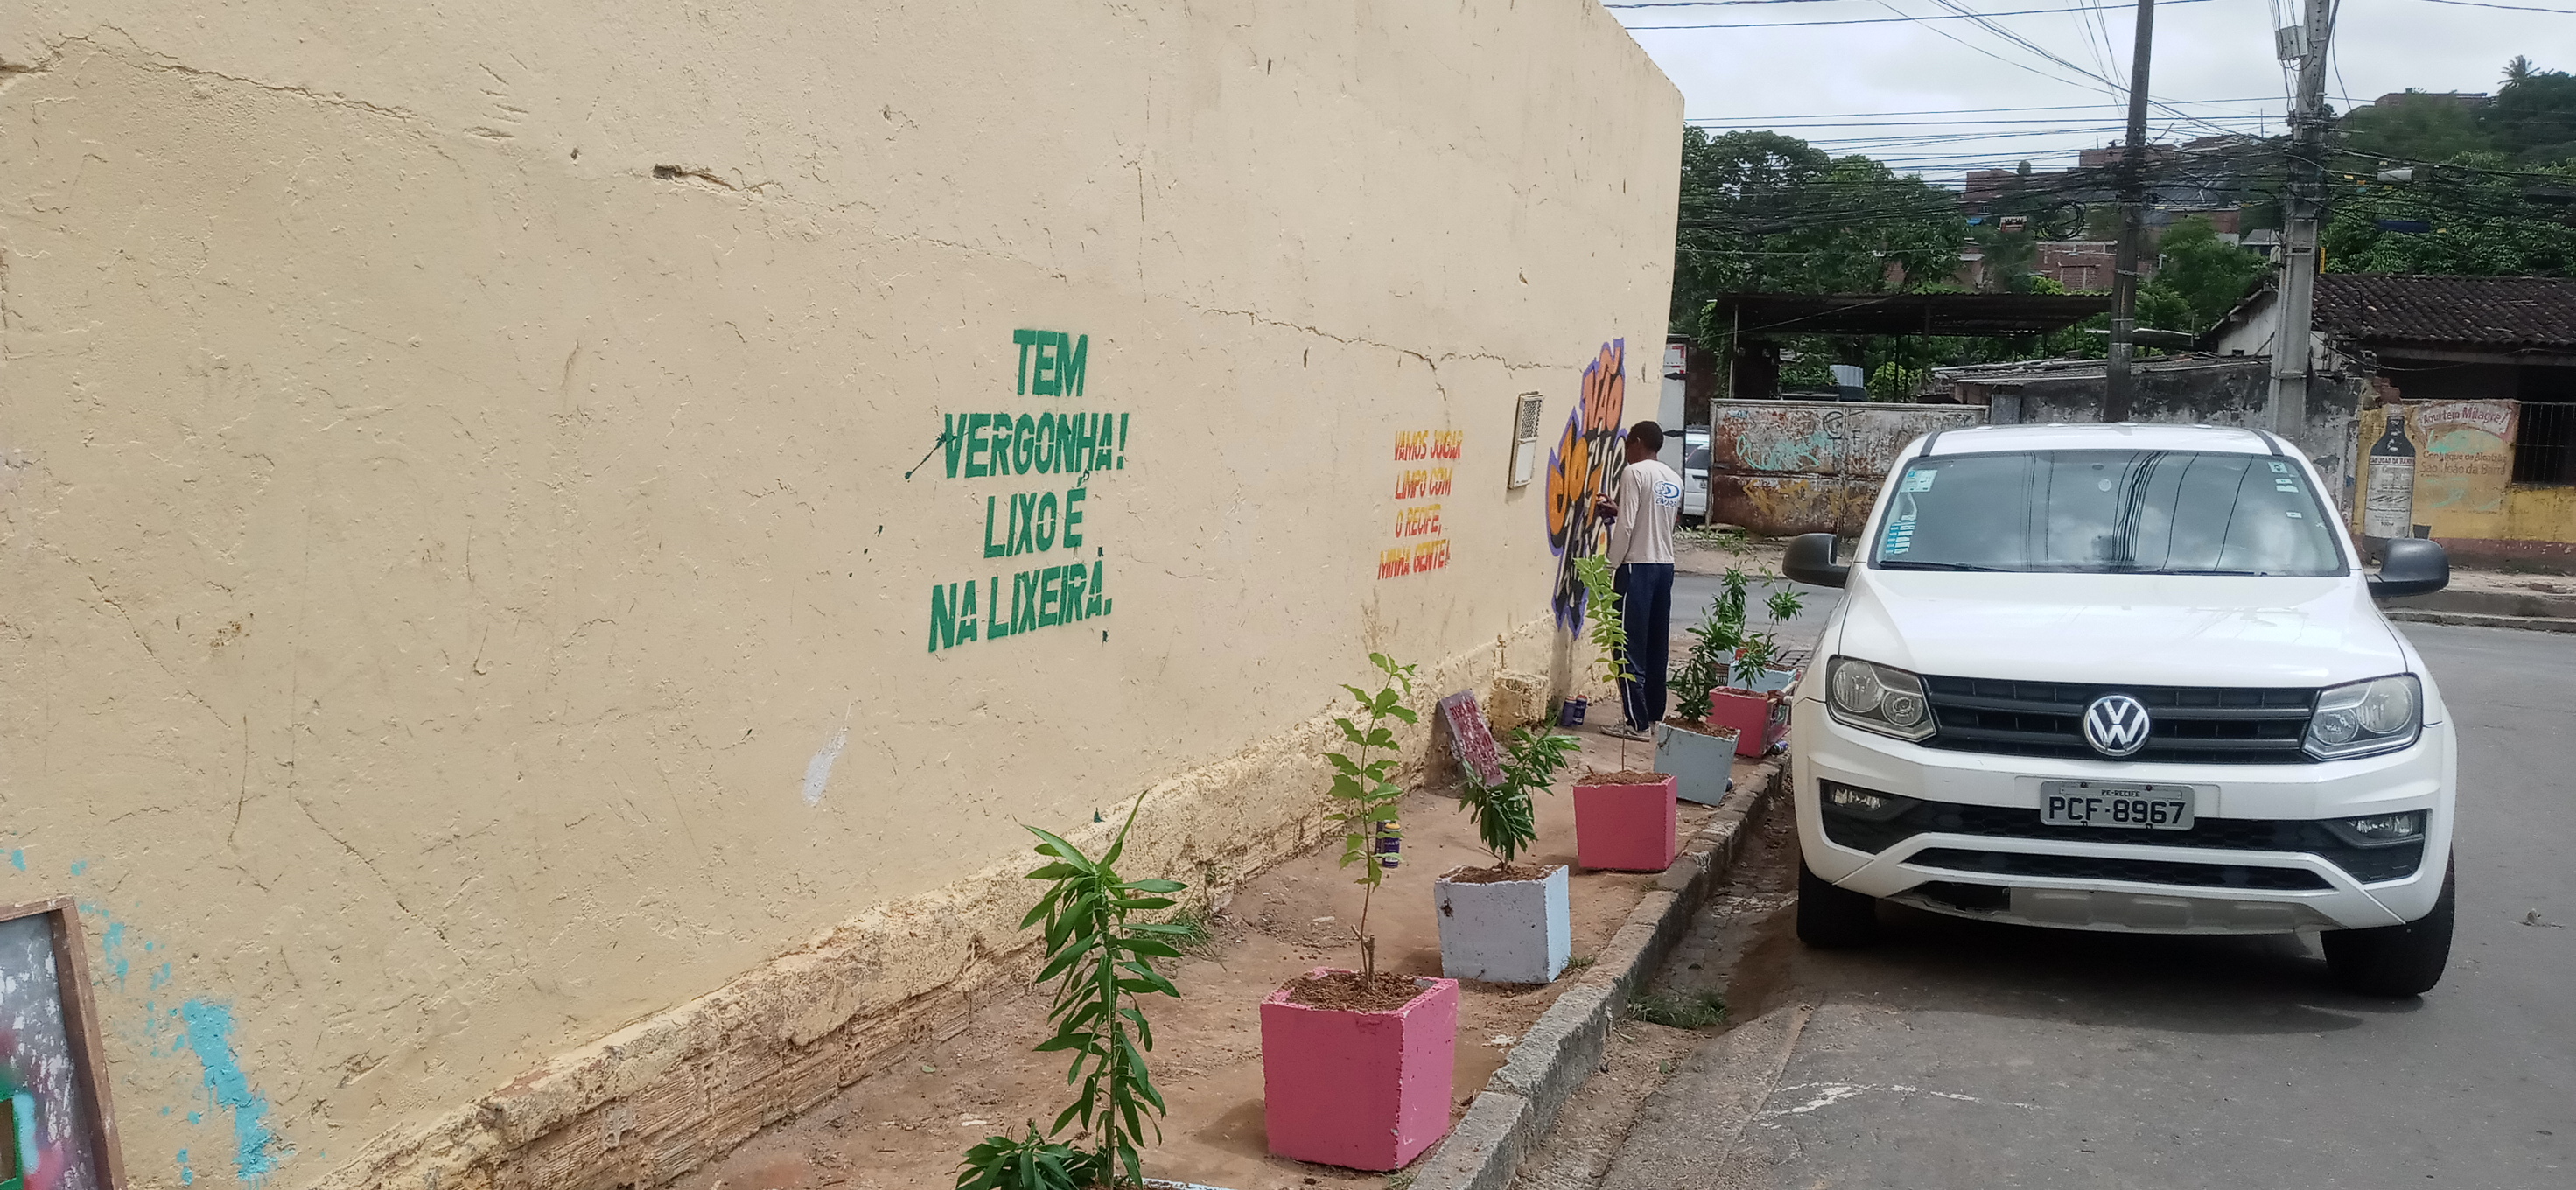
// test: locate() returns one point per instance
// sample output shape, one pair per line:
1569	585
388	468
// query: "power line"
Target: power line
1979	17
1709	3
2512	7
1897	121
2057	107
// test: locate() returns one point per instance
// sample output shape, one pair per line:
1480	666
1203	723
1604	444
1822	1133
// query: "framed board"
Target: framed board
57	1131
1471	737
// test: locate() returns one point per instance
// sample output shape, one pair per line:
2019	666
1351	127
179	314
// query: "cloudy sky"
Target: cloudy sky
1873	88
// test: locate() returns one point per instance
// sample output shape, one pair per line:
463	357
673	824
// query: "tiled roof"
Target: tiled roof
2491	313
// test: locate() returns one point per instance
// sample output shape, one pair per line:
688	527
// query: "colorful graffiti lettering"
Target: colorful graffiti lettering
1420	520
1582	468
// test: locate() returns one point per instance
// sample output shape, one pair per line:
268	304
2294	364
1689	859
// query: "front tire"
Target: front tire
1831	917
2402	960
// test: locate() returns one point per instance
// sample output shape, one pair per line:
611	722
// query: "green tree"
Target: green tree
2417	127
2532	118
1764	212
2482	217
2010	260
2203	277
1731	182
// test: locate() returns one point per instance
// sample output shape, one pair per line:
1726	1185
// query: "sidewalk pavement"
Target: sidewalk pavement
2493	599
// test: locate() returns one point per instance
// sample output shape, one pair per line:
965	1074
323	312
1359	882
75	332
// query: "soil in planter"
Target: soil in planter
1343	991
1698	725
1498	873
1622	777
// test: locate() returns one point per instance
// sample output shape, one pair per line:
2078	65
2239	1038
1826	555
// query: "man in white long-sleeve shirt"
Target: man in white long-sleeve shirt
1641	548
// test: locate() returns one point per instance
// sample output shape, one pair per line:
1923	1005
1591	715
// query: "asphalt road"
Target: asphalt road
1692	594
1966	1056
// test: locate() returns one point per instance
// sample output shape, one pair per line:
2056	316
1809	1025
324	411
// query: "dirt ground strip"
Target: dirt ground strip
907	1125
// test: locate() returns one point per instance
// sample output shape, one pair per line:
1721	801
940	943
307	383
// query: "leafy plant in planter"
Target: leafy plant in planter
1754	657
1356	1072
1713	643
1505	818
1509	923
1609	629
1622	820
1102	963
1368	791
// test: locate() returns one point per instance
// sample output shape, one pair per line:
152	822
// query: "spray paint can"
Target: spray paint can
1388	841
2388	503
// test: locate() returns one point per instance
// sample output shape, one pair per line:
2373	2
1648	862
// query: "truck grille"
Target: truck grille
2192	724
2367	864
2144	871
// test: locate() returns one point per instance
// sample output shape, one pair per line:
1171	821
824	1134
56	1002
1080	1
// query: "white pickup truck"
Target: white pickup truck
2125	678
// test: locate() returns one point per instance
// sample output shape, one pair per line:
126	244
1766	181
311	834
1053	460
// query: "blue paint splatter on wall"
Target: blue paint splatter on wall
112	945
18	858
256	1150
79	866
161	976
187	1176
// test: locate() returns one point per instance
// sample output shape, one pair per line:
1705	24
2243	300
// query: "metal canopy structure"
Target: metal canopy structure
1759	315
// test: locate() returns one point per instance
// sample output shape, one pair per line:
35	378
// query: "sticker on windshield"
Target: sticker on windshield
2279	468
1918	479
2285	485
1899	537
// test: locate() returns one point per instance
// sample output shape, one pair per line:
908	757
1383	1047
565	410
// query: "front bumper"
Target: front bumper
2057	878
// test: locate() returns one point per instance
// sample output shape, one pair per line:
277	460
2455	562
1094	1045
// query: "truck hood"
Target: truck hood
2156	630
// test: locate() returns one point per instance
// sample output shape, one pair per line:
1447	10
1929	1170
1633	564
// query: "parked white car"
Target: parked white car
2125	678
1695	475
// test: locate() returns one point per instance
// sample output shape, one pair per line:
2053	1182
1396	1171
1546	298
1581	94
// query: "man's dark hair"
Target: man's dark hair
1648	434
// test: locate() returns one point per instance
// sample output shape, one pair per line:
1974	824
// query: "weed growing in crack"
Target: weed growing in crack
1680	1010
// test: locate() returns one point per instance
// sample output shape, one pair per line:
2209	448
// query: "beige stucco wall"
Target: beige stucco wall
460	593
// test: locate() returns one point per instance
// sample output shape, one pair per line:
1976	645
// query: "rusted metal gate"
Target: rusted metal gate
1786	467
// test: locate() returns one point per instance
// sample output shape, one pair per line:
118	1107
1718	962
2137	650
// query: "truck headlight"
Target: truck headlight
2366	718
1877	698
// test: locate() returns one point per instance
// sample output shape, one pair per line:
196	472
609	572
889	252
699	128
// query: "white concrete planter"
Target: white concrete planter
1700	762
1510	931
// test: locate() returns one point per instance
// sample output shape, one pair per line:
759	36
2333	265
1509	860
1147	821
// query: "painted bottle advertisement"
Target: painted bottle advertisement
2388	506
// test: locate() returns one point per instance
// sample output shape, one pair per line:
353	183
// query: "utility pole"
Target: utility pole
2133	224
2301	204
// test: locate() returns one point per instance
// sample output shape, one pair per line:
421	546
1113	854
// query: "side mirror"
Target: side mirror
1810	560
2412	566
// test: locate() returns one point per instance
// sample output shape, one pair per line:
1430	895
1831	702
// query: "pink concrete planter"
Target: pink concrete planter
1627	828
1759	722
1362	1090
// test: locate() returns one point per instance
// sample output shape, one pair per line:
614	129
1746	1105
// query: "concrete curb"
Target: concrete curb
2482	620
2472	601
1551	1061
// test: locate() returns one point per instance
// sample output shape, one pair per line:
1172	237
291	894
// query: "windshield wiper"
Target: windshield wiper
1898	564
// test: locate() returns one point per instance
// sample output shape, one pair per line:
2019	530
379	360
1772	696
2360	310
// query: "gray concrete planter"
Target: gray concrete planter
1508	931
1699	761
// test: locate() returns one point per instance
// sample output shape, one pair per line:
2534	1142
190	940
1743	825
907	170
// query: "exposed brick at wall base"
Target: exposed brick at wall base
660	1097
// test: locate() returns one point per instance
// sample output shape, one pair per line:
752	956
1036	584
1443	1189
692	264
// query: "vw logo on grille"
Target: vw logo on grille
2116	725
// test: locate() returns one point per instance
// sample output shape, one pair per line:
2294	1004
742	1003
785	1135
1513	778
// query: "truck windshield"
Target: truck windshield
2108	512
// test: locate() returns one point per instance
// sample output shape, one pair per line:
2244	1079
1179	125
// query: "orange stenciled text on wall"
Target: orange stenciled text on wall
1420	545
